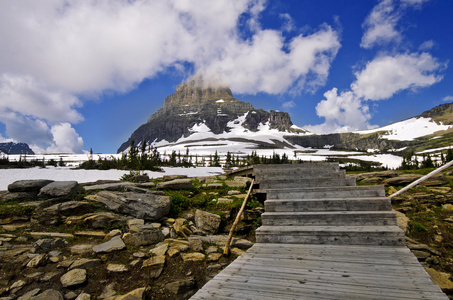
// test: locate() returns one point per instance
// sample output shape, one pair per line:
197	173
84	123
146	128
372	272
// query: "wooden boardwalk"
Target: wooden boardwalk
286	263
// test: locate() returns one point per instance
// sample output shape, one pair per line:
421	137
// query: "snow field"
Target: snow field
8	176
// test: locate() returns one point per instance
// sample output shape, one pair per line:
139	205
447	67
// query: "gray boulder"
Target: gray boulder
59	189
73	277
115	186
436	180
50	244
151	206
98	220
176	184
207	222
402	179
33	186
70	208
49	295
146	237
115	244
381	175
173	177
181	286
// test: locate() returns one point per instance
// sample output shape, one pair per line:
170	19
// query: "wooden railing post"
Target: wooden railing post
226	251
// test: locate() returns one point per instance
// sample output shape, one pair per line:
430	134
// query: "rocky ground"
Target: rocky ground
425	213
115	240
164	239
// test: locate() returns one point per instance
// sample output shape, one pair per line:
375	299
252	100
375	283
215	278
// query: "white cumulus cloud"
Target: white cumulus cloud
342	112
53	52
65	139
385	76
380	25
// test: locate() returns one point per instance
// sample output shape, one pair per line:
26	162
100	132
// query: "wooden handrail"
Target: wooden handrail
226	251
422	179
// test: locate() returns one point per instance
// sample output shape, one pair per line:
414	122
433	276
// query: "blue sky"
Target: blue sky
76	75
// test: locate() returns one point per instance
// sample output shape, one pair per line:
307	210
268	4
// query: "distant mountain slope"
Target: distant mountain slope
15	148
206	119
193	109
432	129
442	113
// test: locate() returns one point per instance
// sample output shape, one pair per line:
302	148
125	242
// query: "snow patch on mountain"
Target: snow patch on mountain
409	129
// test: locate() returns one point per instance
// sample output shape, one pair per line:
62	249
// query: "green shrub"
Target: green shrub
16	210
179	203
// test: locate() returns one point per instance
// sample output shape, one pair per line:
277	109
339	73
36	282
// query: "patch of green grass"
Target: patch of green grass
179	203
16	210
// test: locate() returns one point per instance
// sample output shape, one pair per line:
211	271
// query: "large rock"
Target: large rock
137	294
146	237
380	175
207	222
173	177
84	263
402	221
192	257
49	295
98	220
114	186
181	228
150	206
402	179
180	286
50	244
59	189
33	186
38	261
73	277
114	244
176	184
440	278
436	180
220	240
70	208
155	264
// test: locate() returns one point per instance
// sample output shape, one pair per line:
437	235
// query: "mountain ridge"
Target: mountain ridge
197	114
192	104
15	148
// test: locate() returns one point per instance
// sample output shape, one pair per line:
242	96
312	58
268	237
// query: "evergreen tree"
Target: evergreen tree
427	162
215	160
449	155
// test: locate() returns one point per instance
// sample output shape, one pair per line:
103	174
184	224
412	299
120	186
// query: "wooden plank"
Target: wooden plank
332	291
344	278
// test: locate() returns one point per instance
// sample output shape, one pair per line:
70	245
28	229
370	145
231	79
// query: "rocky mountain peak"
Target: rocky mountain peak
198	92
200	101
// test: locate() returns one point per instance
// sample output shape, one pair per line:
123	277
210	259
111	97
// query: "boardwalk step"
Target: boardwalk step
326	192
302	174
333	235
302	183
319	167
352	204
345	218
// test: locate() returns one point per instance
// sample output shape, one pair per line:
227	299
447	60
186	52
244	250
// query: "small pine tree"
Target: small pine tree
449	155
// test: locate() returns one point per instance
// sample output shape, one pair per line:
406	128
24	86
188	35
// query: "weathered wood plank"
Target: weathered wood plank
353	262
